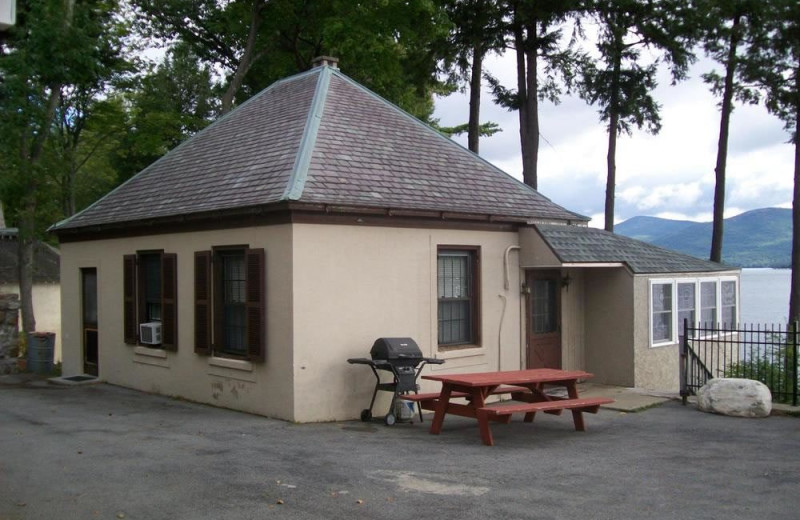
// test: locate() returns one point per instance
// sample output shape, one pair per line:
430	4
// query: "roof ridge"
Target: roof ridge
302	161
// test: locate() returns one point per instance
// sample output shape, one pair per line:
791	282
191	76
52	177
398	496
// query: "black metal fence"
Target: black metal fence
766	353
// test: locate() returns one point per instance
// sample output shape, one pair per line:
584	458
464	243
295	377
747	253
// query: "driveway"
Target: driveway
107	452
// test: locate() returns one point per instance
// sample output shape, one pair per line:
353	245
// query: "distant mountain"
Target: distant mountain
757	238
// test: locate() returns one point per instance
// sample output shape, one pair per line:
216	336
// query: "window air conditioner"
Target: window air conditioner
150	333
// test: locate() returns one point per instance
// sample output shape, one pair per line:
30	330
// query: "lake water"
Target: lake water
765	296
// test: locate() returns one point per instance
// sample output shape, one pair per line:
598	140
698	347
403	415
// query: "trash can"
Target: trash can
41	347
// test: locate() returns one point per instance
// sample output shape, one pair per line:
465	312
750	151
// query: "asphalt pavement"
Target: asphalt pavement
105	452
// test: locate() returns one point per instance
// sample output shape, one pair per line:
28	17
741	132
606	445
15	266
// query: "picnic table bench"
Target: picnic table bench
555	406
526	388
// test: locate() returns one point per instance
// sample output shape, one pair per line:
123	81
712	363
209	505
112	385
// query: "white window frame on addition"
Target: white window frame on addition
676	325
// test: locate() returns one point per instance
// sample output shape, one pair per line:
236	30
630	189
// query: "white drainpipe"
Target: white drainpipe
506	286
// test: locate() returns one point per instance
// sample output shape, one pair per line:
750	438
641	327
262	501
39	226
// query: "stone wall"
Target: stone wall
9	333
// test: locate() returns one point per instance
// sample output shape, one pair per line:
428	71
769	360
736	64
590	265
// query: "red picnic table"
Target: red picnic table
526	388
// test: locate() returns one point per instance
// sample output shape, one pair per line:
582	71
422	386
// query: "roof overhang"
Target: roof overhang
294	212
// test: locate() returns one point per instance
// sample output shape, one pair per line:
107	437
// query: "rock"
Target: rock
735	397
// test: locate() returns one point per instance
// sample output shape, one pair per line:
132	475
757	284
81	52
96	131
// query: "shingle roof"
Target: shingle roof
318	137
580	244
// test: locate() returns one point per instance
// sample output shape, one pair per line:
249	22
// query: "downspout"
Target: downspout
506	286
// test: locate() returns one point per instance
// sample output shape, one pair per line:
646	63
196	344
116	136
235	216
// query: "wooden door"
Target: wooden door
543	304
91	357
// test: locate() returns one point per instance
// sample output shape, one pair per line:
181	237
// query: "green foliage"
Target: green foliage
718	30
486	129
57	62
390	46
169	104
775	367
622	80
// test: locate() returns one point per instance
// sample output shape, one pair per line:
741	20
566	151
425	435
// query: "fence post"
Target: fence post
682	355
794	363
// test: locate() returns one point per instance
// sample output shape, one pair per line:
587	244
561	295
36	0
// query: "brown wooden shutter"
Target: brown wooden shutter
141	291
129	324
256	304
169	301
202	302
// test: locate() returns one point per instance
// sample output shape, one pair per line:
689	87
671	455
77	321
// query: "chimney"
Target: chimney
325	61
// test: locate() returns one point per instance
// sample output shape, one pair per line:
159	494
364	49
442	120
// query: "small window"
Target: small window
150	272
457	292
544	309
150	295
661	304
686	306
728	303
708	304
230	302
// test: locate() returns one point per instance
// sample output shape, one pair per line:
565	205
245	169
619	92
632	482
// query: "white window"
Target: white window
708	304
701	302
728	301
661	304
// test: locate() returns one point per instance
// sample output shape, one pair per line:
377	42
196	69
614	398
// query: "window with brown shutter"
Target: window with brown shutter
256	268
230	299
150	280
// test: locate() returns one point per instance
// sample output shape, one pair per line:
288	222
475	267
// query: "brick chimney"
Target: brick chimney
322	61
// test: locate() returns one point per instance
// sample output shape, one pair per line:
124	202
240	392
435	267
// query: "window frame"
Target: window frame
473	252
677	325
209	303
135	298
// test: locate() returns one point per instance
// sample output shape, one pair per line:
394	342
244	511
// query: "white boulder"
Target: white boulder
735	397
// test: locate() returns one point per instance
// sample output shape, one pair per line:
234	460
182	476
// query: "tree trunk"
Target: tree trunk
474	125
27	220
245	62
527	90
794	295
613	131
722	146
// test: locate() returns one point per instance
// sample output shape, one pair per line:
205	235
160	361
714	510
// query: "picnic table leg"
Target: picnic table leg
483	425
577	415
529	416
441	409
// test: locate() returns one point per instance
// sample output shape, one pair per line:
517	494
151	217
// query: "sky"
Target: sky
668	175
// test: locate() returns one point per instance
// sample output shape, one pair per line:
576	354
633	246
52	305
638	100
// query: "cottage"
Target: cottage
317	217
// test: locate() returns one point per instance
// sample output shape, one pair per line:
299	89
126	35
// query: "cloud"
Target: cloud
671	173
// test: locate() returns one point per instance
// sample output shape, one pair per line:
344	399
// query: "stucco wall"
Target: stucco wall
264	388
573	302
609	325
46	310
353	285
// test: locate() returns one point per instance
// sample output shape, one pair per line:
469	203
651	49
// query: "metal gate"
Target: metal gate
766	353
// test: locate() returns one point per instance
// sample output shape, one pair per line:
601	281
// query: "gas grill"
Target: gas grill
403	358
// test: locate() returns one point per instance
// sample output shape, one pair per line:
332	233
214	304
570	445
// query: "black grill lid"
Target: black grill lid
395	348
